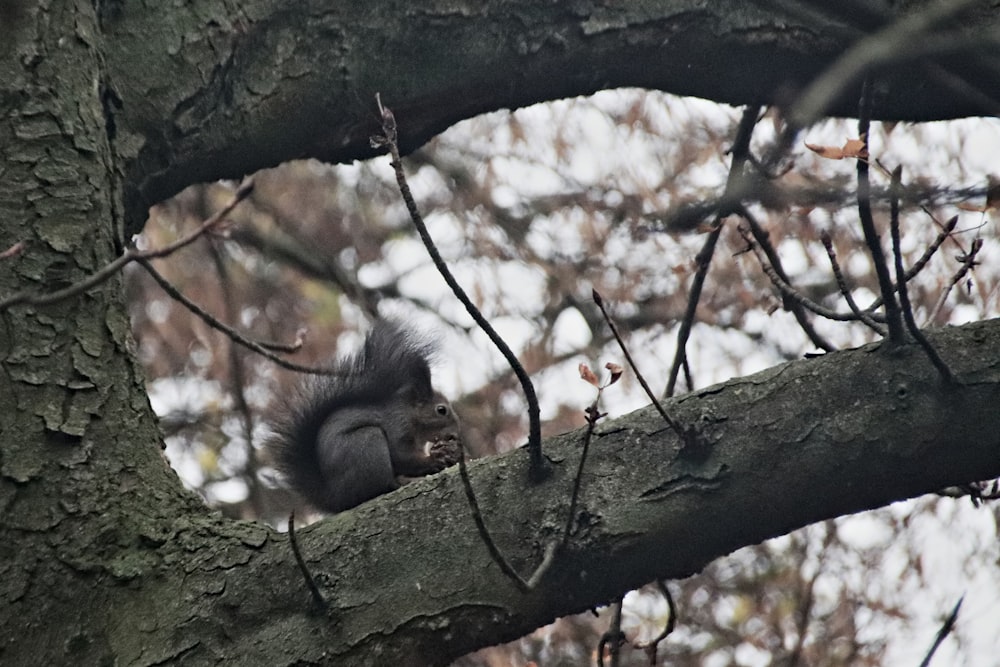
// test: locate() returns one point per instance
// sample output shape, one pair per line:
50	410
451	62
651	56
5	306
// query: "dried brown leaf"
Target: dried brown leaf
851	148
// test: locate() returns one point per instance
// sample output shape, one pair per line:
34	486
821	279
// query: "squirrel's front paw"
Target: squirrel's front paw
443	453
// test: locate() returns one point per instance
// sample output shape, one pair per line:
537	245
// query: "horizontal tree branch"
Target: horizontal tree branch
221	94
409	581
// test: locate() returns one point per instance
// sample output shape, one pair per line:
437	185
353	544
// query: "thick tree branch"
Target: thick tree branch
409	581
225	93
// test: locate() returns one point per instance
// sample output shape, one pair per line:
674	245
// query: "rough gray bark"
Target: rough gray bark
202	92
106	560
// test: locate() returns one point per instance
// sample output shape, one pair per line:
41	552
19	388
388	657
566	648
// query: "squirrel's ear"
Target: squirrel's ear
417	387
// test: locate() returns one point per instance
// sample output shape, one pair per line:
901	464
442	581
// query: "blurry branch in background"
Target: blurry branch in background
807	595
903	39
130	255
238	383
834	193
280	245
388	138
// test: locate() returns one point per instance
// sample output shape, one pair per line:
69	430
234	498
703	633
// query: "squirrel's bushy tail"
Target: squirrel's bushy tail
392	365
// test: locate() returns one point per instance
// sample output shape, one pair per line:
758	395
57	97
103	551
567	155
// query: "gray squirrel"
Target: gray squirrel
343	439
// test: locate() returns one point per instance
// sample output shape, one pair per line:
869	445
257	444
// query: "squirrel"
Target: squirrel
346	438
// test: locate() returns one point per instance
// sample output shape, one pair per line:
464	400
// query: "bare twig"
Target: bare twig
892	314
943	235
628	357
904	297
703	260
652	647
491	546
793	305
130	255
389	138
741	154
787	290
969	262
593	416
549	557
317	595
845	290
263	349
613	639
944	631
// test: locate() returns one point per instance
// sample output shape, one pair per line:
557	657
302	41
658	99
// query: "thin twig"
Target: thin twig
613	639
787	290
635	369
389	138
491	546
130	255
317	595
741	154
944	631
845	290
968	263
892	315
904	296
235	336
703	260
918	266
593	416
549	557
652	647
942	236
794	306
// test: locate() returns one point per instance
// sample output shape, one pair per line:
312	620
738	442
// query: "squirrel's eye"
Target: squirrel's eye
442	409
